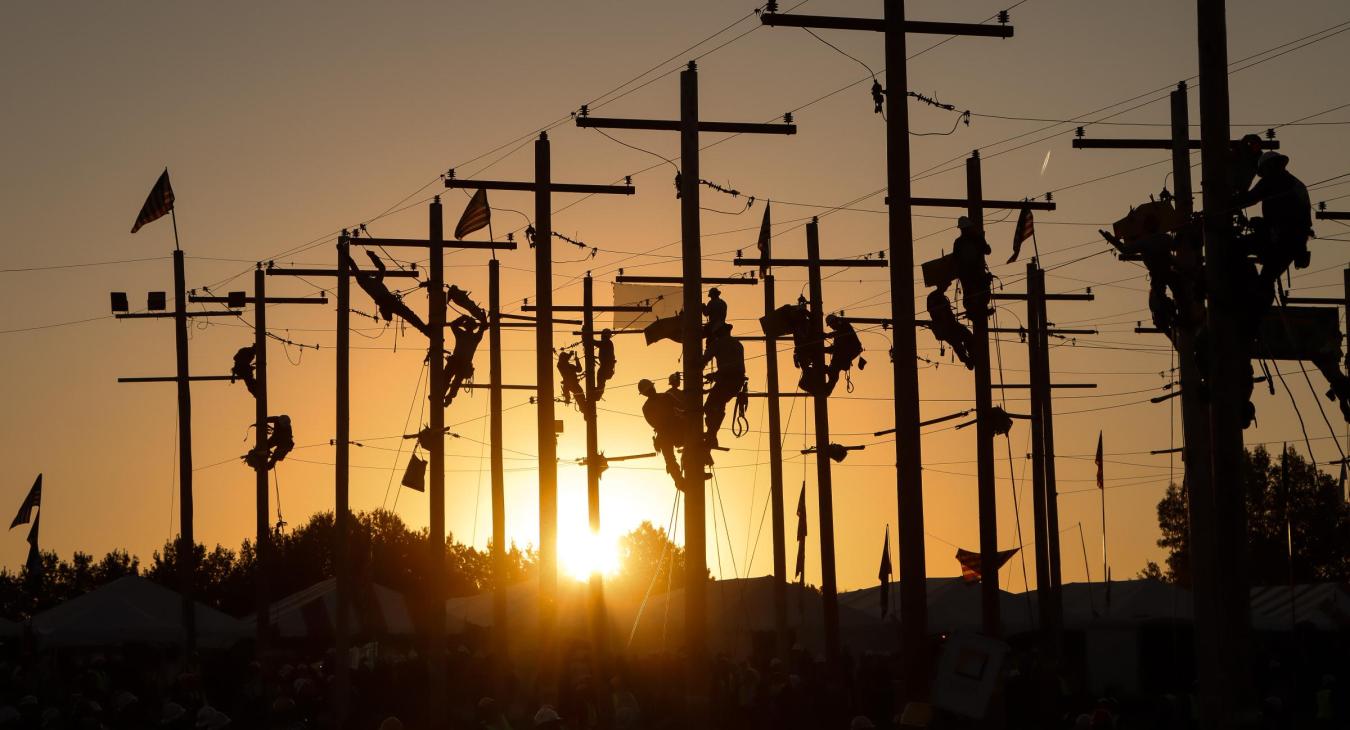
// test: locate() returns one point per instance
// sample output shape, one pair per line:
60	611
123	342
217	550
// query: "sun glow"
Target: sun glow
589	554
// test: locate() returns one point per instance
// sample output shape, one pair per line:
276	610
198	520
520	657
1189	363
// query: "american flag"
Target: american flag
157	204
1026	228
477	215
971	570
30	503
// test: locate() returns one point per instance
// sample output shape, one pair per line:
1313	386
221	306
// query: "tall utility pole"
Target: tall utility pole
595	463
434	441
497	459
543	188
689	125
909	462
975	205
1207	557
780	621
263	547
824	484
1229	368
1044	492
187	554
341	469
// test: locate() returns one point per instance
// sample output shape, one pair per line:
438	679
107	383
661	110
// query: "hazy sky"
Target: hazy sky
284	122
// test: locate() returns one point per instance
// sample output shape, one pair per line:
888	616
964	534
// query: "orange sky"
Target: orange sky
282	123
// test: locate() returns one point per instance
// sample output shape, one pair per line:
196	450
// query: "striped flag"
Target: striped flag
30	503
1101	475
477	215
801	535
1026	228
763	243
971	570
157	204
885	572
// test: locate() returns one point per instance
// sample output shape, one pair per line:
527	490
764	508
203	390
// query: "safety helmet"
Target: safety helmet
964	222
1271	161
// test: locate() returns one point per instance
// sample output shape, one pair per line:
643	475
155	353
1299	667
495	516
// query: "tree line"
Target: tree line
382	549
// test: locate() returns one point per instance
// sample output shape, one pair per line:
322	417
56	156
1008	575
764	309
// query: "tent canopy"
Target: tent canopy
132	609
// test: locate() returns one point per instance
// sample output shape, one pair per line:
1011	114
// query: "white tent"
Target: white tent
131	610
377	611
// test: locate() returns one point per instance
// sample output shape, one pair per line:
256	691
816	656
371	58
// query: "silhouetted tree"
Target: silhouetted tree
647	556
1316	511
61	581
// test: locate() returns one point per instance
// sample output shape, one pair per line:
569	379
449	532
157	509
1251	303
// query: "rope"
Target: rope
656	572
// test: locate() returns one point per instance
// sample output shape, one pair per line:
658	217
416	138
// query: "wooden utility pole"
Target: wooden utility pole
263	546
909	462
1209	558
595	463
824	483
341	469
496	458
975	205
187	544
689	125
986	482
543	188
780	621
434	441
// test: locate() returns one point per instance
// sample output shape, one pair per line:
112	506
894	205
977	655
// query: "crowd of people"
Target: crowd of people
139	687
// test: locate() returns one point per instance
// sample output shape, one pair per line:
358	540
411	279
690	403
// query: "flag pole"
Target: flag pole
173	215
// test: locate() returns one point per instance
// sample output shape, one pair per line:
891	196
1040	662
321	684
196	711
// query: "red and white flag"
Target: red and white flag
158	204
477	215
1026	228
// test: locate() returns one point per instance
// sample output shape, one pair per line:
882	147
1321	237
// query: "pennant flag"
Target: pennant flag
1101	476
34	554
763	243
1026	228
477	215
970	563
801	535
30	503
885	572
157	204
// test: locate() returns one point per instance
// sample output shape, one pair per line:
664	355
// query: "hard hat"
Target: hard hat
645	385
546	715
963	223
714	292
1271	161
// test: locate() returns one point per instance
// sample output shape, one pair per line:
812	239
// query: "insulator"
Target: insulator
1079	133
1003	17
787	118
585	110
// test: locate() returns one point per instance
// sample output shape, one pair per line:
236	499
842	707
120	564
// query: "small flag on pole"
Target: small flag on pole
801	535
1101	475
477	215
763	243
971	570
1026	228
158	204
32	502
885	572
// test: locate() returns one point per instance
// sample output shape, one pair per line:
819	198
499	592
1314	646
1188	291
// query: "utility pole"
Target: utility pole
497	465
187	553
909	461
543	188
595	463
341	471
824	484
436	245
263	547
975	204
1209	558
689	125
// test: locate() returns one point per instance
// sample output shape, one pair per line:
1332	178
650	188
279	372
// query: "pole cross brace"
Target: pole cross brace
174	379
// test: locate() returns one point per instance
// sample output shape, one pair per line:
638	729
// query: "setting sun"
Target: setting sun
588	554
